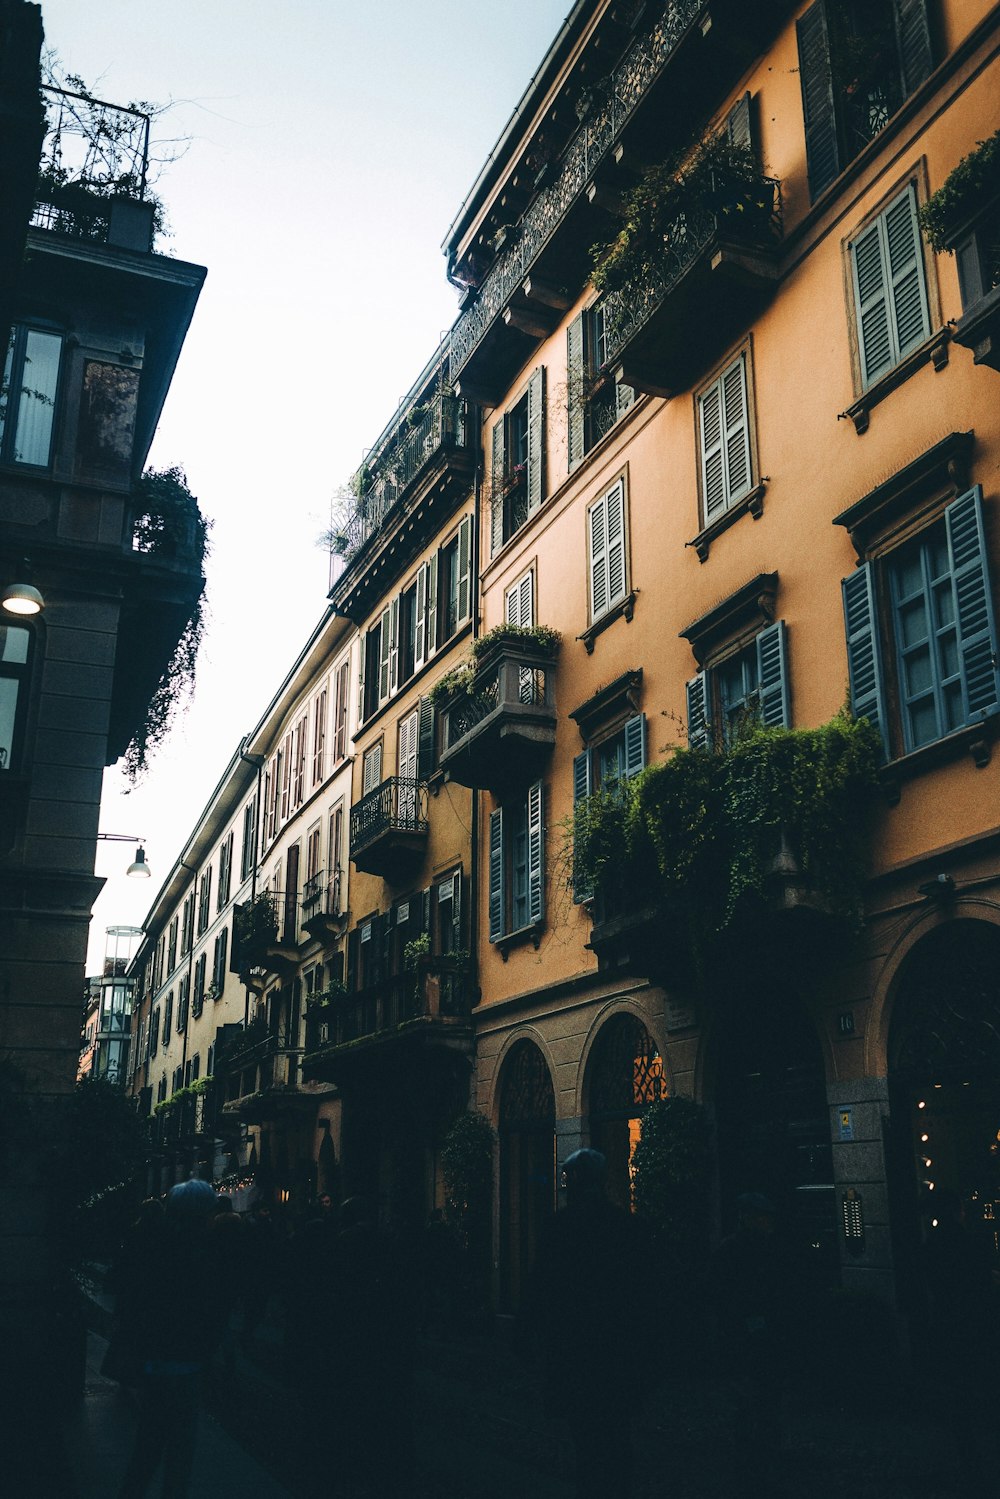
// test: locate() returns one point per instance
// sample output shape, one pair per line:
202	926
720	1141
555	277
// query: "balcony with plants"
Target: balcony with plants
260	950
758	847
324	915
498	709
389	828
694	260
675	71
187	1115
963	218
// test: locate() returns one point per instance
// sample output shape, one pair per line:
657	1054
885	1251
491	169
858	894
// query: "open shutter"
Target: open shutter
393	646
536	854
496	486
432	605
425	758
816	78
582	890
456	909
384	635
576	405
913	33
864	658
464	587
977	634
520	604
699	721
624	397
409	730
420	620
738	127
371	775
871	304
635	745
498	915
615	503
713	471
598	560
536	439
911	322
772	674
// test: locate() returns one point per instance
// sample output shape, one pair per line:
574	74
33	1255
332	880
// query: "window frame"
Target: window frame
507	480
17	351
734	497
614	598
501	868
20	673
587	383
862	302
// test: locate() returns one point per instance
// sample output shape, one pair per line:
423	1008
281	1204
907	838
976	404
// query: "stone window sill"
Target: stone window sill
751	503
520	938
934	349
624	609
975	739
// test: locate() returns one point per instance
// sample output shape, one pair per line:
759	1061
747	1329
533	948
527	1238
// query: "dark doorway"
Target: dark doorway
624	1074
527	1165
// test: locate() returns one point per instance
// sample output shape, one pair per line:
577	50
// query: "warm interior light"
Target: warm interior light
924	1138
922	1104
23	599
139	869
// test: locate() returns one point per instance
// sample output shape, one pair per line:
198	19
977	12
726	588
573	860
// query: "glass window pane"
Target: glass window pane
948	663
5	387
918	676
13	643
954	708
923	723
913	622
8	713
37	397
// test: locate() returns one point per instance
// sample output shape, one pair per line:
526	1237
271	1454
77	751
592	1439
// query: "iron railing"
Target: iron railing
440	987
94	154
626	87
397	805
514	680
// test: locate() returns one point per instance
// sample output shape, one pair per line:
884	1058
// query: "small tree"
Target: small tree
673	1165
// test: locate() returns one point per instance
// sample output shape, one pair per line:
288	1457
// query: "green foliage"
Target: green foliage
467	1165
715	175
544	637
415	951
322	999
169	523
256	924
190	1090
456	680
968	188
672	1167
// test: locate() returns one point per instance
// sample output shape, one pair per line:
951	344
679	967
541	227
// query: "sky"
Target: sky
332	144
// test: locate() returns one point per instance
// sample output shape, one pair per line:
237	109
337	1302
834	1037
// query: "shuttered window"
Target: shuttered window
751	685
607	551
593	405
517	865
724	440
890	291
371	769
604	766
517	463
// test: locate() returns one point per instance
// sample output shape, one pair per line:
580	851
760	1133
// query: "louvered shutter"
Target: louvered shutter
699	721
496	487
871	303
520	602
772	674
456	908
427	736
384	635
635	745
624	398
582	890
889	288
598	560
432	596
713	469
737	426
615	505
464	586
393	646
977	641
497	904
816	78
911	322
913	34
536	439
536	854
738	126
576	405
408	745
420	619
864	657
372	769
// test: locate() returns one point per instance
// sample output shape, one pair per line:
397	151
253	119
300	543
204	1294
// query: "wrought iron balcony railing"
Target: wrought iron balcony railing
92	182
398	805
627	86
439	989
501	731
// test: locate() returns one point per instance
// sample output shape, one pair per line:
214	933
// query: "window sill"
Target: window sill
520	938
752	503
934	349
624	609
974	739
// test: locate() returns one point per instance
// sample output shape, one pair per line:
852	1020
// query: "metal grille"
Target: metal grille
948	1012
527	1098
627	1070
397	805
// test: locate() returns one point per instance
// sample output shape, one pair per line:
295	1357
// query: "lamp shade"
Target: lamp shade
22	598
138	869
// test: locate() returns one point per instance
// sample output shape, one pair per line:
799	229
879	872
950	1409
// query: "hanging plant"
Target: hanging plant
965	191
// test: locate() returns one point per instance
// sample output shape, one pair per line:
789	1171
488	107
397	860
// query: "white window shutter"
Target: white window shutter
432	595
420	619
384	669
536	854
464	569
598	560
871	304
496	486
615	506
713	474
734	410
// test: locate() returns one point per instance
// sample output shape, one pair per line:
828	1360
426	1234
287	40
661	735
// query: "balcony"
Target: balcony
258	949
324	914
498	735
717	267
670	79
432	1003
389	828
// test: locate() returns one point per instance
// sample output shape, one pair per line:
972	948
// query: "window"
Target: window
446	913
183	999
249	839
516	865
517	467
371	768
198	998
603	766
921	634
594	400
219	957
172	945
289	929
340	712
205	901
750	683
319	738
606	556
300	735
28	396
168	1015
725	454
225	872
890	290
336	838
15	660
154	1032
858	61
455	573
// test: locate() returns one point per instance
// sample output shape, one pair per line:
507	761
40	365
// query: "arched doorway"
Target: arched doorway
773	1123
624	1074
527	1165
944	1089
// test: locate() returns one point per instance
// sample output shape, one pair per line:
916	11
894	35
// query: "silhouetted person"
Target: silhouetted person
590	1283
176	1327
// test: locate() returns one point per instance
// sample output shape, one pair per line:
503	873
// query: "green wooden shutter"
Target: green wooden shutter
739	478
699	721
582	889
772	674
713	470
536	439
464	569
889	288
871	303
497	904
911	321
384	653
615	506
576	405
420	619
432	605
635	745
738	127
816	79
864	657
456	908
977	634
536	854
598	559
425	757
496	486
913	33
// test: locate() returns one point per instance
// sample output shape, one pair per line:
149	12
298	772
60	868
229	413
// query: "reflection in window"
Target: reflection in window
15	641
28	396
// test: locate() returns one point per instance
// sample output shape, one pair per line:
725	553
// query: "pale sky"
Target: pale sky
333	144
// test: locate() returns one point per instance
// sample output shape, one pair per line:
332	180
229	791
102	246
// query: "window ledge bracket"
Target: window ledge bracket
520	938
624	609
975	739
752	503
934	349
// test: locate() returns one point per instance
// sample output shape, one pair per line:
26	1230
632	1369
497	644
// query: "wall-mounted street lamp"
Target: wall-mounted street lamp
22	599
138	869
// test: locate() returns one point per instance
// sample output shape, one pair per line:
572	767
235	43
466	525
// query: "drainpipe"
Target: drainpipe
476	629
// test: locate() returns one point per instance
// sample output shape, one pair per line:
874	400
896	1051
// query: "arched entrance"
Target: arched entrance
527	1164
944	1089
624	1074
773	1122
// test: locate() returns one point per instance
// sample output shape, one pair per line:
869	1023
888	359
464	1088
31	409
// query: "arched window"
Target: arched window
624	1074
